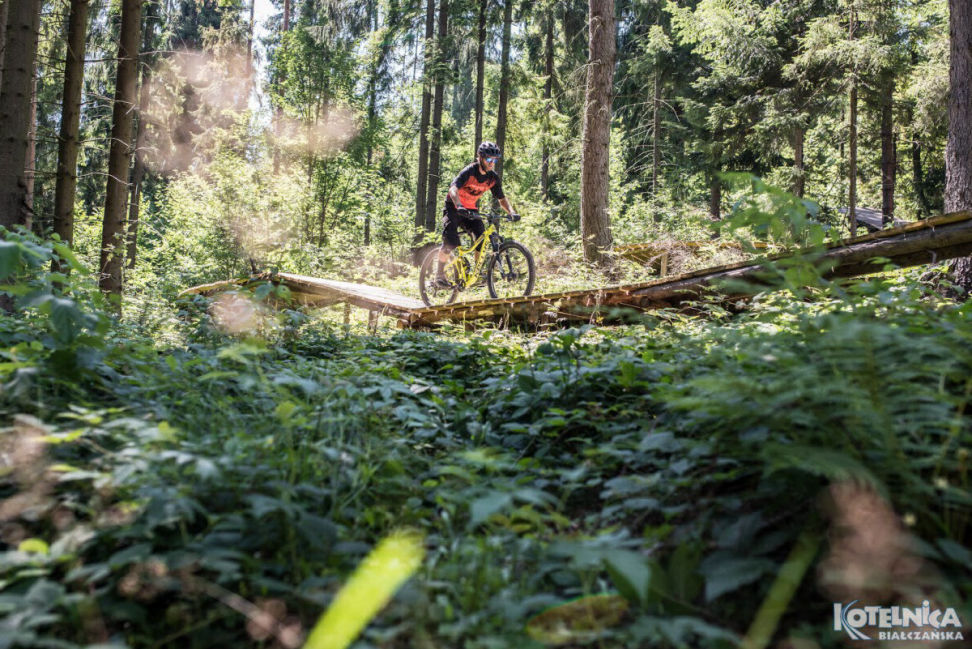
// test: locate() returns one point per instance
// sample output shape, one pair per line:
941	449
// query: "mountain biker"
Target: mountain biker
460	204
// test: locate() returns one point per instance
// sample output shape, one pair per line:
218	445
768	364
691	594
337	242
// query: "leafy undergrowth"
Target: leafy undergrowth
642	486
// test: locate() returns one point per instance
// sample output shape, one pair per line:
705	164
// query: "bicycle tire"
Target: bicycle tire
433	295
507	270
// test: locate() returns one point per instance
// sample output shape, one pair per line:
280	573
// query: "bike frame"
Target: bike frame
462	253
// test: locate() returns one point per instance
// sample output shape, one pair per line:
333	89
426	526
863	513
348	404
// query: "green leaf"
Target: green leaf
33	546
66	254
824	462
66	318
683	572
631	575
262	291
725	573
9	258
482	508
957	553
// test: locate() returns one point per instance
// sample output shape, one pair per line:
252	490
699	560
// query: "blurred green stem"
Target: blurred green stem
781	592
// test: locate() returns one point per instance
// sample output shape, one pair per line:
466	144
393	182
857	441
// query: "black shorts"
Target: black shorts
453	221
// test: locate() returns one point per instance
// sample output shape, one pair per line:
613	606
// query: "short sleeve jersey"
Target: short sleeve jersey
472	184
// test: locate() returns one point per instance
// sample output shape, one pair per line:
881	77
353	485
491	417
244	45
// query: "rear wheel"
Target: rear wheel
511	271
432	294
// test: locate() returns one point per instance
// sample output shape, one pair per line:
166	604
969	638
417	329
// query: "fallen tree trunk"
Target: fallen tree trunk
923	242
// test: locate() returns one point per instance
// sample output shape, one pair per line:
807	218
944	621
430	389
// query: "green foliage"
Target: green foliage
677	465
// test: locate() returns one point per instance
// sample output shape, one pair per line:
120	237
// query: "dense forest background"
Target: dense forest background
329	132
242	471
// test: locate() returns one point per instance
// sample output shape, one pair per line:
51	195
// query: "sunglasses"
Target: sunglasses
491	160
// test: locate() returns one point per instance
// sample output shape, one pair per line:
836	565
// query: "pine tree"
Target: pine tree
595	160
68	142
20	44
504	90
958	153
116	194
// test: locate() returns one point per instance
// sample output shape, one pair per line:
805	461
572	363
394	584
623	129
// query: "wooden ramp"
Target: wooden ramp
922	242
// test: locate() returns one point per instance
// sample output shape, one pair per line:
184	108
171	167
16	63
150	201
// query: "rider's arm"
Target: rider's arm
505	204
454	196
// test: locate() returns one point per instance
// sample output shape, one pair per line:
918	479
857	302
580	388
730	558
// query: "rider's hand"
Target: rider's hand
514	217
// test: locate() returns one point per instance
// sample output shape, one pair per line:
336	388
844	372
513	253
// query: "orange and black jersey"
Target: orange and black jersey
471	184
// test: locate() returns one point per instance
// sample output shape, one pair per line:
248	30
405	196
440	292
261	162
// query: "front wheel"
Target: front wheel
511	271
432	294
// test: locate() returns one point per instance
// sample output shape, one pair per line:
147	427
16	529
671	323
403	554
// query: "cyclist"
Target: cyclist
460	204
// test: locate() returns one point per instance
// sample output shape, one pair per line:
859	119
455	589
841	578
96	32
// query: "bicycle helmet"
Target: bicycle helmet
489	150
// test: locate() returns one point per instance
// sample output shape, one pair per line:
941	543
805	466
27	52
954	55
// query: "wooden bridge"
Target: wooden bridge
922	242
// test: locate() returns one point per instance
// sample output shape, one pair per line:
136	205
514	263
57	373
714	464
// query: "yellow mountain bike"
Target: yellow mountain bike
507	265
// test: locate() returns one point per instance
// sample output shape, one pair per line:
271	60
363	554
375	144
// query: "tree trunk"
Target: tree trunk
373	83
423	155
249	52
595	157
480	74
119	155
3	33
888	158
138	172
278	111
436	130
372	108
504	92
958	150
715	197
66	182
548	69
23	24
30	166
655	131
852	141
924	209
799	169
852	161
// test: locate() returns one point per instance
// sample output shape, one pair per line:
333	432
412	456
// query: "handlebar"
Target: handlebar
490	216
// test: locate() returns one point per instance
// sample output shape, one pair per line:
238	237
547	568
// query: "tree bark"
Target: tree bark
138	171
423	155
432	193
852	142
278	111
715	196
888	157
917	168
799	168
595	157
373	84
119	154
30	165
504	93
3	34
23	25
958	150
66	182
548	69
480	74
852	161
655	131
249	51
